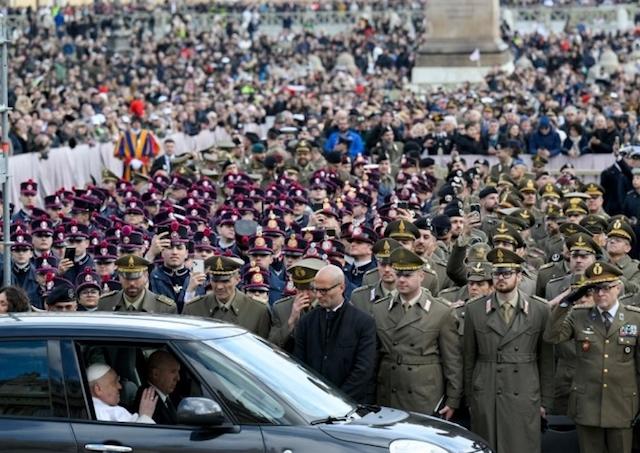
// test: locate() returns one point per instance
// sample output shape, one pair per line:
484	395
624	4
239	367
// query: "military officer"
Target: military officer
604	393
583	252
406	234
425	246
286	312
596	200
226	302
420	348
365	296
134	295
479	284
507	367
620	240
507	236
461	260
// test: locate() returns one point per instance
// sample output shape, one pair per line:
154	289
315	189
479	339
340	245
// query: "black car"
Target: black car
235	393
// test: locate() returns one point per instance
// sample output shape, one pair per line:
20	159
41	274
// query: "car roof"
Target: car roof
114	325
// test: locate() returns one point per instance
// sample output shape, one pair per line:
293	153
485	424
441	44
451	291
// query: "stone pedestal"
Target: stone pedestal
455	29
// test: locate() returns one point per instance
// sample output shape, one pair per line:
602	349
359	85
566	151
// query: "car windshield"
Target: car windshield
311	396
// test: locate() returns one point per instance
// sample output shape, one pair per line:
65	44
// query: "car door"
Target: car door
33	411
92	435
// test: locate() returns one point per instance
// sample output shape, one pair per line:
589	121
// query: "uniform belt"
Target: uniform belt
508	357
414	359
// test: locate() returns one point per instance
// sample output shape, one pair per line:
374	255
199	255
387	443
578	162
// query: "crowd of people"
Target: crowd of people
320	221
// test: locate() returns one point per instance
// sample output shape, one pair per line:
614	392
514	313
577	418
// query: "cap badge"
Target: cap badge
219	266
597	269
500	256
257	278
260	242
131	262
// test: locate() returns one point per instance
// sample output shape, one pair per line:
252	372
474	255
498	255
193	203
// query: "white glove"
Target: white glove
136	164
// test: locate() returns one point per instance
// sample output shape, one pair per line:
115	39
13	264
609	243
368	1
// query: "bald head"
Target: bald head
164	371
329	285
331	272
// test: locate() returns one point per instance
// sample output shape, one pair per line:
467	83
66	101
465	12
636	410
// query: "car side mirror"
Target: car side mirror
200	412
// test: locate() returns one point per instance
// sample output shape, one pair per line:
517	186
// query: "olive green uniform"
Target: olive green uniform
243	311
279	332
604	393
508	371
151	303
420	354
548	272
631	273
365	297
430	280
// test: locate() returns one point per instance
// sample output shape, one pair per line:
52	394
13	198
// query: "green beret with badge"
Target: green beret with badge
402	230
222	268
403	259
480	271
505	232
131	267
383	249
602	272
304	271
504	258
621	229
582	244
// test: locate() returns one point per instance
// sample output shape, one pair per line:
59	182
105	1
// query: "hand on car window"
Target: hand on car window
148	402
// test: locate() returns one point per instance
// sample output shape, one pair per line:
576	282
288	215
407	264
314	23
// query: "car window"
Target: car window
311	396
248	401
24	379
130	362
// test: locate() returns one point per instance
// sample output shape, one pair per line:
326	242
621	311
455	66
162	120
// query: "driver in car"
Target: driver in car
104	384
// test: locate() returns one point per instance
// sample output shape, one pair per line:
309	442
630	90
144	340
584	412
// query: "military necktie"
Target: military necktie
507	312
606	319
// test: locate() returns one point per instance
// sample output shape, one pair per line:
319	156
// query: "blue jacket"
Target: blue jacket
28	283
173	286
550	141
357	145
78	268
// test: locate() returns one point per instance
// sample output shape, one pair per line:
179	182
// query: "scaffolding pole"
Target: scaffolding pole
4	147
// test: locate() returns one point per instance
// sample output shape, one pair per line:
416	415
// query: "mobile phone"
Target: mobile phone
474	209
70	253
403	205
198	266
331	232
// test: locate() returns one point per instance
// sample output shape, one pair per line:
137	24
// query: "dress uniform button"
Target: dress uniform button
393	390
606	341
395	343
606	356
516	348
604	385
499	392
605	370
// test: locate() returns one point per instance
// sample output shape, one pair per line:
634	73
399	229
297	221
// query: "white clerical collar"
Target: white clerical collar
334	309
